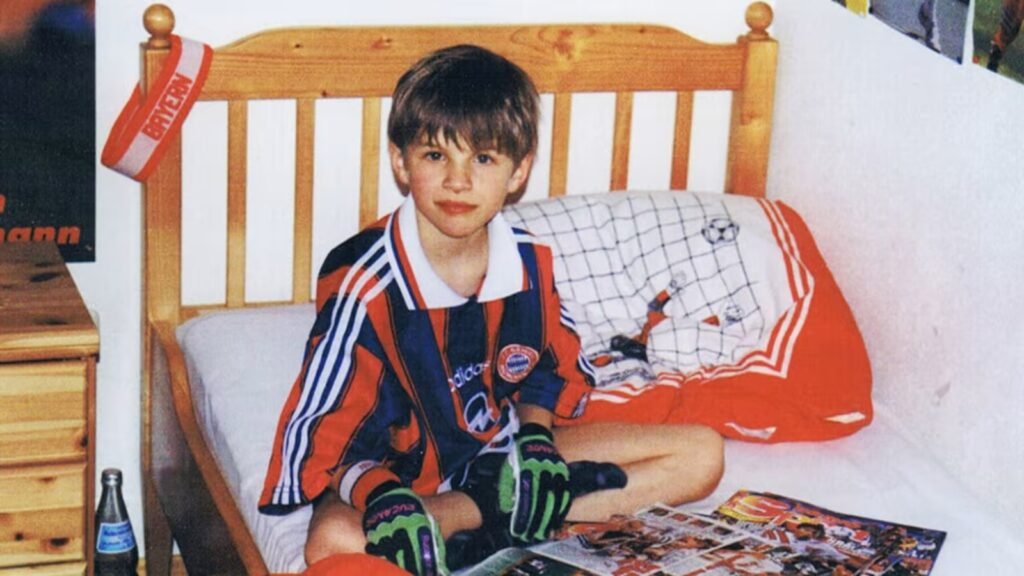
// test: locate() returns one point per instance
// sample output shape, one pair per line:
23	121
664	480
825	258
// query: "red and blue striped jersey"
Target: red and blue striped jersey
405	379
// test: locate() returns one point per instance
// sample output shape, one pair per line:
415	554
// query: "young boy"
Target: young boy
441	355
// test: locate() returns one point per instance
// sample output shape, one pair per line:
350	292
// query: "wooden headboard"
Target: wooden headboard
306	65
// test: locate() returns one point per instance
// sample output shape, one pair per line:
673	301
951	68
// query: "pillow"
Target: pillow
707	308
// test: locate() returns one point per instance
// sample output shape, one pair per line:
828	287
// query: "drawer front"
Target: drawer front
42	514
68	569
42	412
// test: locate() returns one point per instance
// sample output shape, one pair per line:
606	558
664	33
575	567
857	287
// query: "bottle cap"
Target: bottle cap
111	476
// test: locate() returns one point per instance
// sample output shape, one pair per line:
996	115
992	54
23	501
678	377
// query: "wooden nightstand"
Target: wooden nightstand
49	347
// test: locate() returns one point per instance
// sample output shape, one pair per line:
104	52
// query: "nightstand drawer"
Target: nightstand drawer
42	412
43	514
68	569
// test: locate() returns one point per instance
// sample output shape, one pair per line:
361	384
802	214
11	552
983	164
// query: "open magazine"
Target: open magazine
751	534
862	546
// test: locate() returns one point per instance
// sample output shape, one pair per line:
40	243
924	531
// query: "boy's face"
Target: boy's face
456	189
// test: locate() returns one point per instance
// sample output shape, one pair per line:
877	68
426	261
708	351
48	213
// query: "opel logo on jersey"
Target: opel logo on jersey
515	362
465	374
478	414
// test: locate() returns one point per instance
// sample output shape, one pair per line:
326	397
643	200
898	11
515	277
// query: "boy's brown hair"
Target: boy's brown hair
470	94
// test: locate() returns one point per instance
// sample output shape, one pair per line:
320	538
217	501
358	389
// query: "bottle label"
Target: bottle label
115	538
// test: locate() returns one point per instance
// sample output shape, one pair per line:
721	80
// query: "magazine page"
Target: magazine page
657	540
522	562
832	543
751	556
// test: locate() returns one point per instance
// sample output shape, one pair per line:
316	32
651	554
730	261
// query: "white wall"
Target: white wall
110	286
908	168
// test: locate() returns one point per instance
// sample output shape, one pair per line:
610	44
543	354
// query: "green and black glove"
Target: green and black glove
399	529
481	484
534	486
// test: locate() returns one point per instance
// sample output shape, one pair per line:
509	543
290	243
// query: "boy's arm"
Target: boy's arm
563	378
334	411
312	440
533	414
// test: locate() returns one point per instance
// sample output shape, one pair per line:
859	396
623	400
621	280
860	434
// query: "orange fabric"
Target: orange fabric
828	375
368	483
354	565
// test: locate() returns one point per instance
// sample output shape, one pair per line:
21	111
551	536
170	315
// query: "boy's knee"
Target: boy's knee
705	460
714	454
334	536
322	545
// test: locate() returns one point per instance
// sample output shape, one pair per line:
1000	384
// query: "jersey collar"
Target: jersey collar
423	288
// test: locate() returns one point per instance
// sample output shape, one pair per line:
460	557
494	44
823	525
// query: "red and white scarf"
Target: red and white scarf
143	130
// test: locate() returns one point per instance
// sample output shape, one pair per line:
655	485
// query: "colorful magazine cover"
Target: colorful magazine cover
832	543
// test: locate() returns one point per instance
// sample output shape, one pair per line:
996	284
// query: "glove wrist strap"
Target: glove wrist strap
534	429
381	490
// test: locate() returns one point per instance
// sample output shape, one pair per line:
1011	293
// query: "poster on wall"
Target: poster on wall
940	25
48	125
996	26
855	6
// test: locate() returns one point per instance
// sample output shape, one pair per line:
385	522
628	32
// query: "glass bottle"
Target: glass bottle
116	552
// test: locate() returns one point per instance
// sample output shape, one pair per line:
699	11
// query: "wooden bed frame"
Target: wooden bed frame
186	497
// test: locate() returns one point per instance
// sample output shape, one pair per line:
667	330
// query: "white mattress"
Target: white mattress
241	367
242	364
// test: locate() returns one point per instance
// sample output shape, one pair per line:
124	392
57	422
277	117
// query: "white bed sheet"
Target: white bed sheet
242	364
882	473
241	367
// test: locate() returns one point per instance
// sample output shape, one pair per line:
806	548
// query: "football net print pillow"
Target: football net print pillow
708	308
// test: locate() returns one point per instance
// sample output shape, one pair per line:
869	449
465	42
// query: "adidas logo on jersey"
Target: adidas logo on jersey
465	374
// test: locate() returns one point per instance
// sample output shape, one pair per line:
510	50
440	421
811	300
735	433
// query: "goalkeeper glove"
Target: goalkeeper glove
399	529
534	485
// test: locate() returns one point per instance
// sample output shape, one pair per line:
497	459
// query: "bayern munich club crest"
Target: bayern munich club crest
515	361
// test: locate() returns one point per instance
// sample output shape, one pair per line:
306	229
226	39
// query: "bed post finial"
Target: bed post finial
759	17
159	22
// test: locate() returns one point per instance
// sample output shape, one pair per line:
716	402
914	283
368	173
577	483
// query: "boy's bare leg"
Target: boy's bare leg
670	463
337	528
